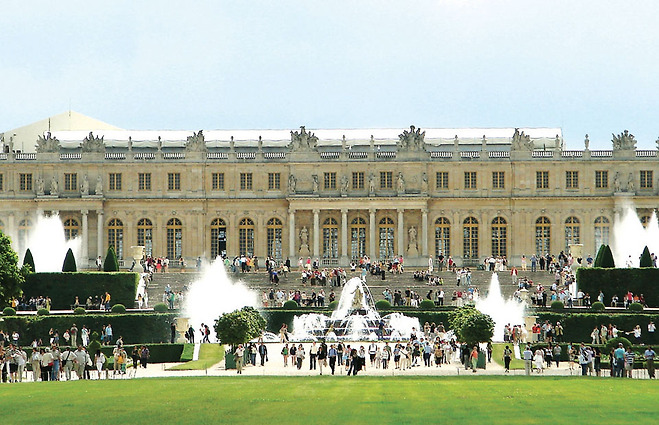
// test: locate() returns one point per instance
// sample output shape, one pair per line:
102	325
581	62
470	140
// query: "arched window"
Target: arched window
24	230
218	238
330	238
601	232
145	235
442	237
542	236
386	232
470	238
116	237
246	236
499	237
71	228
174	239
274	229
572	232
357	238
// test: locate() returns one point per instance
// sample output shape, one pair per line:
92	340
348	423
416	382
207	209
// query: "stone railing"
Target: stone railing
246	155
217	155
115	155
387	154
470	154
572	154
173	155
70	156
330	155
499	154
274	155
646	153
357	155
329	262
26	156
441	154
542	154
144	155
601	154
3	156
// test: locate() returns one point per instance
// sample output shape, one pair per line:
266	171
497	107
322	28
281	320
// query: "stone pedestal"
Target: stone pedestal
304	251
137	252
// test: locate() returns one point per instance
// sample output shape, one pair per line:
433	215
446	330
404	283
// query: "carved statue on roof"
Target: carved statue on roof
47	144
303	140
93	143
412	140
586	142
84	186
521	141
401	184
623	141
54	187
40	186
196	142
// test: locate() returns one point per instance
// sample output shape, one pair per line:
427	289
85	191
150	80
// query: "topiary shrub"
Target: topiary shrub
557	306
111	263
427	305
383	305
8	311
69	262
646	260
43	312
333	305
598	257
607	259
291	305
29	260
118	309
160	308
612	344
79	310
636	307
597	306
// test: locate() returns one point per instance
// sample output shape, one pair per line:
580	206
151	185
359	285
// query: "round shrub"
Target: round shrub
8	311
612	344
291	305
333	305
43	312
160	308
79	310
636	307
427	305
597	306
118	309
557	306
383	305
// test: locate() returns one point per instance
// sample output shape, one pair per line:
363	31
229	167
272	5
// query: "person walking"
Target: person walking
527	355
507	356
649	361
333	355
263	353
474	358
238	355
322	356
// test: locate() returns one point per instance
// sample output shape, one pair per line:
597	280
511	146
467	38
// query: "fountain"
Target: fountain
501	310
630	237
49	245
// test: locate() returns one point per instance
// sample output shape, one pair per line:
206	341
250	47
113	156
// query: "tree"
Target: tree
598	257
239	326
11	277
69	262
471	326
111	264
646	260
607	259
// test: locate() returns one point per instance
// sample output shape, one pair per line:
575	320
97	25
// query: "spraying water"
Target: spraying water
630	237
501	310
48	245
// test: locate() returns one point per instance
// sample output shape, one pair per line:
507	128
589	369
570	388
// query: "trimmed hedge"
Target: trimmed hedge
43	312
619	281
636	307
118	309
427	305
382	305
62	288
79	311
557	306
597	306
111	264
578	326
29	260
290	305
69	265
9	311
160	308
134	328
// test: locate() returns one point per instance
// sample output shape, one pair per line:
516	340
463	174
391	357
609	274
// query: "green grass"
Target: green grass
336	399
497	356
188	352
209	355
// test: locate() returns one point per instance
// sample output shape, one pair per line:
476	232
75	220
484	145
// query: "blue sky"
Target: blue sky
586	66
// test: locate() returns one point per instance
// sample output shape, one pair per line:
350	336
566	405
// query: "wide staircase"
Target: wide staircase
259	282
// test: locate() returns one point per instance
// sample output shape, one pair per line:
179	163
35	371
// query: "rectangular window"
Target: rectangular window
70	181
572	180
115	181
542	179
470	180
358	180
330	181
498	180
25	182
601	179
442	180
646	179
245	181
386	180
144	181
274	180
174	181
217	181
2	182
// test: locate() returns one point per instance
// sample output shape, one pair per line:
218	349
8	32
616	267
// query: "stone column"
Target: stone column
85	239
291	235
401	233
371	234
344	236
99	233
316	233
424	232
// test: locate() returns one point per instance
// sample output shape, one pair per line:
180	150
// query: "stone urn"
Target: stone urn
137	252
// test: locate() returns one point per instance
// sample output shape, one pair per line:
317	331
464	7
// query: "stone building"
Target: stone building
328	194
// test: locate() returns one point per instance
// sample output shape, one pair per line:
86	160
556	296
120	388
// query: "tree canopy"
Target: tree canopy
471	326
11	277
239	326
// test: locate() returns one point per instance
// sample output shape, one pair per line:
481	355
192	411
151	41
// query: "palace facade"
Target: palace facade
328	194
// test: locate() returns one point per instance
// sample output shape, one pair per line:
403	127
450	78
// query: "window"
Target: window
601	179
601	232
330	238
246	236
358	180
174	182
116	237
145	235
174	238
542	236
358	237
217	182
646	179
386	180
499	237
498	180
542	179
2	182
572	230
70	182
71	229
386	229
245	181
115	181
442	237
144	182
470	180
572	180
218	238
330	181
25	182
470	238
274	235
274	180
442	180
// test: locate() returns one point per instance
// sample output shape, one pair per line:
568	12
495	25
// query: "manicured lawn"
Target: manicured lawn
209	355
333	400
497	356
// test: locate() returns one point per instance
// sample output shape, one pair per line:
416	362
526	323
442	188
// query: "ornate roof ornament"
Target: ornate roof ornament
412	140
303	140
93	143
47	144
196	142
623	141
521	141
